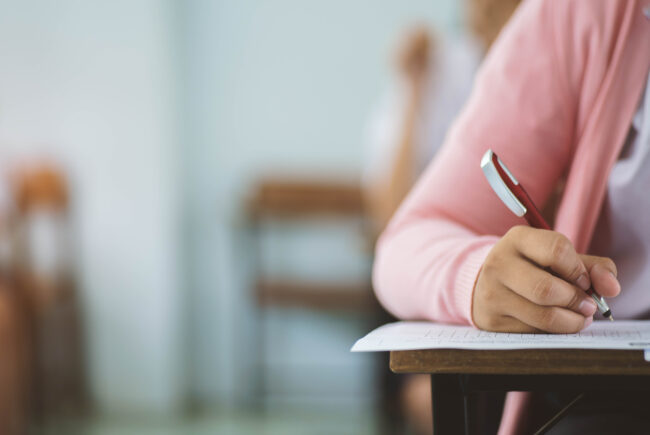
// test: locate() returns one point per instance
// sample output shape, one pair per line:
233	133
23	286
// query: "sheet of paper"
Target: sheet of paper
634	334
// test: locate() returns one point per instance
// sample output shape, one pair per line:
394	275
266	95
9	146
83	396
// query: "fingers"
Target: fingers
533	280
603	275
548	319
503	310
511	324
553	250
606	263
542	288
514	325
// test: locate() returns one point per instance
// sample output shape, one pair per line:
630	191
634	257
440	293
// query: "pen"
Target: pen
515	197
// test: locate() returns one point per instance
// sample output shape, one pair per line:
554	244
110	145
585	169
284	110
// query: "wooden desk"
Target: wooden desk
456	374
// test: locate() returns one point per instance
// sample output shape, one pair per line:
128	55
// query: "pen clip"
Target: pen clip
489	164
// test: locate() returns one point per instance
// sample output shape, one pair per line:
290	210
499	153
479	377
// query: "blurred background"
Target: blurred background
190	192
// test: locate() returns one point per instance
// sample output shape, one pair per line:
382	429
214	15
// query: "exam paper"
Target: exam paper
632	334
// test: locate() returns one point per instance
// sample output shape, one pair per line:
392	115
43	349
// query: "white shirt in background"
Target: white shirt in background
454	64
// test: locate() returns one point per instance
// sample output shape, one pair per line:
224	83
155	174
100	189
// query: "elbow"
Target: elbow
384	271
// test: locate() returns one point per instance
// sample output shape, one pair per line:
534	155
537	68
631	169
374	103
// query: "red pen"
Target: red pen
515	197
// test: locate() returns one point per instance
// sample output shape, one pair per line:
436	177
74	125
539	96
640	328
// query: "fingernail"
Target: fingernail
583	282
587	307
588	321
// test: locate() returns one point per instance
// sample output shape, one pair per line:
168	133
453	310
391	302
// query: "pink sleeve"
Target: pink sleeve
430	255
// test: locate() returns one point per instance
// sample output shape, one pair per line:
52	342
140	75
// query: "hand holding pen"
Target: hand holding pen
533	279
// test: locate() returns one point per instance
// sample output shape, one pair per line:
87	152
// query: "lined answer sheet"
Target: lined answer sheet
633	334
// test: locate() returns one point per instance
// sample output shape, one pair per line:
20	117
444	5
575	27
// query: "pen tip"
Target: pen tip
611	318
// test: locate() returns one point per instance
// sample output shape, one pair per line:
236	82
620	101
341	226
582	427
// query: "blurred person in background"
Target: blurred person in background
434	77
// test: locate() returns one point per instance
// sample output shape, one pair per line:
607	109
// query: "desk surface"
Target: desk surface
521	362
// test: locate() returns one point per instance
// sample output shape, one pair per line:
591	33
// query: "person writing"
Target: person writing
562	98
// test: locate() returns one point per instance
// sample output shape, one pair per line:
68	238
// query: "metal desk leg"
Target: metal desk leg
448	404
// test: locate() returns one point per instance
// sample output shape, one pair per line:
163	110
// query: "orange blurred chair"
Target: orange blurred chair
42	270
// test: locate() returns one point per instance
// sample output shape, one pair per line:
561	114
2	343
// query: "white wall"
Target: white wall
282	85
92	84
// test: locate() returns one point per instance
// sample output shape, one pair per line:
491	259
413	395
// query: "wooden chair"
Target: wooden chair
14	339
48	290
305	200
14	360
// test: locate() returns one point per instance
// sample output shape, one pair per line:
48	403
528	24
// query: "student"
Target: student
560	100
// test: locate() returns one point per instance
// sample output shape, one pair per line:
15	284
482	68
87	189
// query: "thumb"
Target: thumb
603	273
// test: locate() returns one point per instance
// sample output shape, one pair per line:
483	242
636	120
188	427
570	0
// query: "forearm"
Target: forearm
427	269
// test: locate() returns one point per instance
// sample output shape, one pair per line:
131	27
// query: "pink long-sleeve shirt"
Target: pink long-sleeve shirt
555	99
